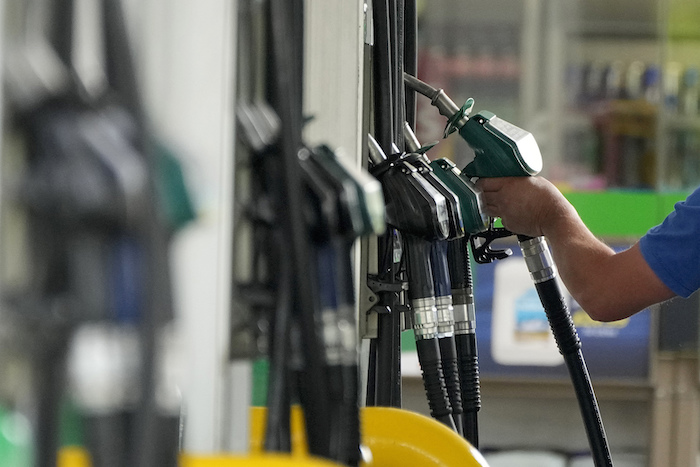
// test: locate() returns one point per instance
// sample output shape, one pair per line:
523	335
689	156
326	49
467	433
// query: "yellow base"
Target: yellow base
393	437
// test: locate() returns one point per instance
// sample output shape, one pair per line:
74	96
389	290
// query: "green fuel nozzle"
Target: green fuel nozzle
501	148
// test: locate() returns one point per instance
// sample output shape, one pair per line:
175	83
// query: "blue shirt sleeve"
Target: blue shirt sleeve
672	248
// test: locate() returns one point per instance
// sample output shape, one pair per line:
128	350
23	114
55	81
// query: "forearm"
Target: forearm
609	286
580	257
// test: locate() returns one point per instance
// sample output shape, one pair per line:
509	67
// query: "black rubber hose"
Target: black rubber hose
314	397
351	416
106	438
382	77
349	452
431	368
465	337
410	58
396	39
277	429
146	443
371	394
468	363
388	342
450	371
569	346
448	350
49	368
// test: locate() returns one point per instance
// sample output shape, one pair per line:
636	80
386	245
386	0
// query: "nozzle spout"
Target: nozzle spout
438	98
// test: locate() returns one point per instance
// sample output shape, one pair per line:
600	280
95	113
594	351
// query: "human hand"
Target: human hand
526	205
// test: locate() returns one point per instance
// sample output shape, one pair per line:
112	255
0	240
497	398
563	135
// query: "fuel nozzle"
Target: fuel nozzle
501	148
413	205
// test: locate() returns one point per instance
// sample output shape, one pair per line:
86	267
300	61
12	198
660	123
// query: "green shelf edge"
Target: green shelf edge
623	214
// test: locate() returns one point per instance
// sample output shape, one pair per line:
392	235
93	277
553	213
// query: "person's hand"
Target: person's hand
526	205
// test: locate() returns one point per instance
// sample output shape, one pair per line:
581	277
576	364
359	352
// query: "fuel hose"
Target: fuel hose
286	103
421	294
544	274
385	367
446	328
465	336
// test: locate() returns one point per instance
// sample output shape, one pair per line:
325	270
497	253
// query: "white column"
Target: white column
185	49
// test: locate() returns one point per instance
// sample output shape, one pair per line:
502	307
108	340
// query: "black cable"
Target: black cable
149	446
382	76
388	366
410	57
62	29
312	394
277	429
396	39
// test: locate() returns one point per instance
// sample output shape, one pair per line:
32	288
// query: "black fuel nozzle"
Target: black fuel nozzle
413	205
420	161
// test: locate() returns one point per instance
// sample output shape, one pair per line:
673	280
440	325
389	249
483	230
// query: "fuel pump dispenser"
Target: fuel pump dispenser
505	150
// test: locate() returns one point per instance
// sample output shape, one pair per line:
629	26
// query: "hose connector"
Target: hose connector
445	316
424	318
538	259
464	311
